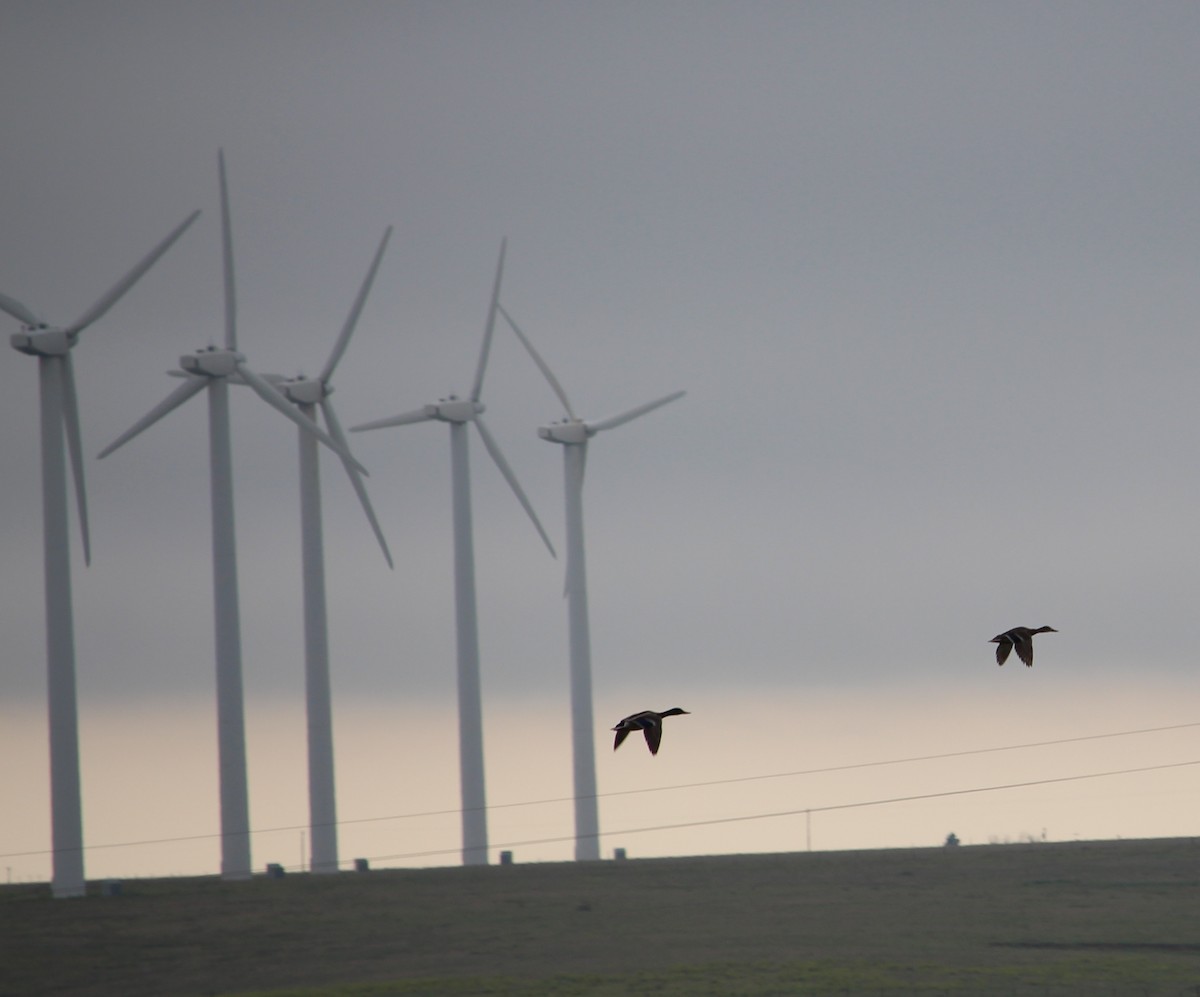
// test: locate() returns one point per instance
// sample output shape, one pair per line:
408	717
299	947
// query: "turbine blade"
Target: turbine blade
75	449
618	420
360	489
537	359
227	259
193	385
125	283
274	397
17	310
343	339
405	419
477	388
494	449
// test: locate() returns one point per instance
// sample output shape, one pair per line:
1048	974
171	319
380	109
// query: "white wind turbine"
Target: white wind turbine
309	394
459	412
60	415
212	369
573	433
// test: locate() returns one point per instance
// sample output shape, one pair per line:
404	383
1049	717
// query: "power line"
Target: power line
895	761
813	810
632	792
784	775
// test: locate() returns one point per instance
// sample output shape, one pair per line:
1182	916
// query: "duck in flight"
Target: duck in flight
649	723
1020	638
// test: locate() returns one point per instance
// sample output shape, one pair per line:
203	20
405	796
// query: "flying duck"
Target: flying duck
1020	638
649	723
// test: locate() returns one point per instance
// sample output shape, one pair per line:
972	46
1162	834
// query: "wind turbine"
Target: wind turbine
60	414
309	394
212	369
573	433
459	413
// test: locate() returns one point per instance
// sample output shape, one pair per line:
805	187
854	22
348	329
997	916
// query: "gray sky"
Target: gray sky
926	270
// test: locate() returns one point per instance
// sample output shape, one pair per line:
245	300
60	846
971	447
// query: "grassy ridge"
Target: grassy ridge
1107	917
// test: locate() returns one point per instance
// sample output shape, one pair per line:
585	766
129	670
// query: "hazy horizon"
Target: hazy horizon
712	781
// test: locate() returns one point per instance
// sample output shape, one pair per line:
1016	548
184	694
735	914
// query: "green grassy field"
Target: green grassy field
1085	918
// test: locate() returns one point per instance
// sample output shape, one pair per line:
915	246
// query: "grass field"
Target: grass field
1086	918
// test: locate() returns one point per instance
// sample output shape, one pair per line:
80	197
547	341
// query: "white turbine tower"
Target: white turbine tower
309	394
60	415
212	369
459	413
573	433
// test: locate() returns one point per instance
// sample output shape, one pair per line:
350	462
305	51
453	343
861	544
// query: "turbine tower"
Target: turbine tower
60	415
459	413
212	369
573	433
309	394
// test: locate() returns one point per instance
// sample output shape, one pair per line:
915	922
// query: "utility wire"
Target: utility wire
632	792
891	761
809	810
755	778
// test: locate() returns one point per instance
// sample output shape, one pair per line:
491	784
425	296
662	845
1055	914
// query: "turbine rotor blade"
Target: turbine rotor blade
192	386
227	259
405	419
343	339
75	449
633	413
494	450
477	388
537	359
274	397
125	283
360	489
335	431
17	310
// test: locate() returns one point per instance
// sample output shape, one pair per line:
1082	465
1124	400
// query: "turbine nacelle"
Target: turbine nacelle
304	390
455	409
43	341
569	431
212	362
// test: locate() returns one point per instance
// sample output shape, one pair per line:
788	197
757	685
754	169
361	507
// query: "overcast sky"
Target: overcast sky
927	272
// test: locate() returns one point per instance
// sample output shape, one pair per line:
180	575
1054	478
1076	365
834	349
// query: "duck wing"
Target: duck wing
1024	646
1003	646
653	731
622	733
